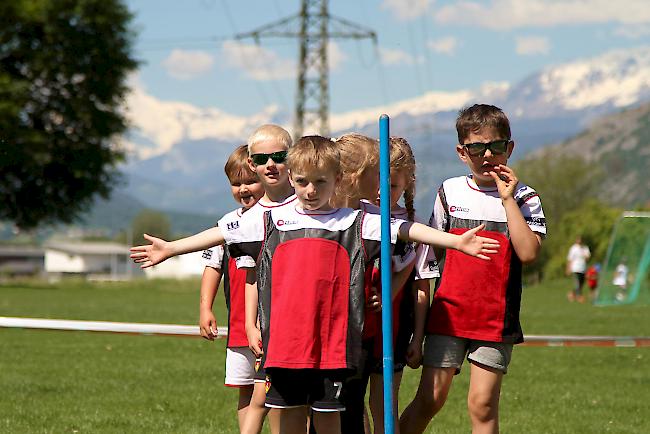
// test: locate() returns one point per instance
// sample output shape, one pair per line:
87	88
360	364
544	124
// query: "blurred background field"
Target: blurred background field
95	382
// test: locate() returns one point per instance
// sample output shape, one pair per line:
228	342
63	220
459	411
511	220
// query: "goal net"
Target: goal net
624	277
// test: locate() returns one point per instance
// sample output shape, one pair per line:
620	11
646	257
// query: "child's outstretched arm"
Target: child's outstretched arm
525	242
468	243
159	250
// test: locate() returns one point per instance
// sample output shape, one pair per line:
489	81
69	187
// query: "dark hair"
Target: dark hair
473	119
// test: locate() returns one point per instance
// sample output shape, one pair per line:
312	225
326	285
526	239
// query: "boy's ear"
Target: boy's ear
290	179
250	164
460	150
511	147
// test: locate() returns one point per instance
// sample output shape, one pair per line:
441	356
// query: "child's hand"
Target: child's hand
473	245
208	325
150	254
373	303
506	181
254	340
414	354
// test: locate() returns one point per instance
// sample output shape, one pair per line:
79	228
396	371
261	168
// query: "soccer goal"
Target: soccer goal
624	277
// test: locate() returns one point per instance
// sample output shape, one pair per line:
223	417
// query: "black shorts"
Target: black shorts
319	389
260	373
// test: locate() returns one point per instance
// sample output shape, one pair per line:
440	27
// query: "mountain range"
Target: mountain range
177	150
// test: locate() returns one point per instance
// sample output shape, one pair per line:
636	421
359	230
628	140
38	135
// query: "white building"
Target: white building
91	259
178	267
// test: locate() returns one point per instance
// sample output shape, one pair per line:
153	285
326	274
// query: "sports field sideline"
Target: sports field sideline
54	381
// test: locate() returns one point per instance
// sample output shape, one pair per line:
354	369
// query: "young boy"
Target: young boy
475	309
246	189
267	150
311	260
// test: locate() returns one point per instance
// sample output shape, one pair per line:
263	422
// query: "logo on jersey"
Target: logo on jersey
286	222
455	208
536	221
258	364
207	254
432	265
267	384
231	226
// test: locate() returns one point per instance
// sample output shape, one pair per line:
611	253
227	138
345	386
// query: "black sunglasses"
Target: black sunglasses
277	157
496	147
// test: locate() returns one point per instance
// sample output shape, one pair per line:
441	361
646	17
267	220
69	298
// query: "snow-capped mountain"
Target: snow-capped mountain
178	150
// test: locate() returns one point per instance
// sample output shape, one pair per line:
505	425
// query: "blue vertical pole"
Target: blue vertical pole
386	293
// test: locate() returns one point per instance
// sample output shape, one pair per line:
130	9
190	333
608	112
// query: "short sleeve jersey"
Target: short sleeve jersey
310	277
253	214
479	299
234	281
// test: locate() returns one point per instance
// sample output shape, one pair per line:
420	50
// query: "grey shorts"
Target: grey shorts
449	352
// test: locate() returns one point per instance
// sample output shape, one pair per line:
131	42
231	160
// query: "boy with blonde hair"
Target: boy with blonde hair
475	309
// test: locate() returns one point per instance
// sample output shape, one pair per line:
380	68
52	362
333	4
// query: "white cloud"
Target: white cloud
446	45
188	64
531	45
406	10
262	64
633	31
391	56
257	62
335	57
510	14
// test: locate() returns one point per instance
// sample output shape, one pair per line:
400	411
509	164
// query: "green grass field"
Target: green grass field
82	382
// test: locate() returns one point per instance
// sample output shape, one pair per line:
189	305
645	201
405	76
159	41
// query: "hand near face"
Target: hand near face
506	181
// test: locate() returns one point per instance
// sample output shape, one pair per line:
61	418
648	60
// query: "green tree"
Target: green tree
152	222
564	184
63	71
593	221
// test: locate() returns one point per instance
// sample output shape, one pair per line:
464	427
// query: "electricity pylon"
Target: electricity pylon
314	26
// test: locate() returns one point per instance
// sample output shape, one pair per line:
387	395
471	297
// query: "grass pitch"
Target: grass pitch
82	382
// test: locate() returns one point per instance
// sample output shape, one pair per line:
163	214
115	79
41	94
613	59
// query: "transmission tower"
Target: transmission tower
313	26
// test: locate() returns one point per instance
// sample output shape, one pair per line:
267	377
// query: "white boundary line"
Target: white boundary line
106	326
222	332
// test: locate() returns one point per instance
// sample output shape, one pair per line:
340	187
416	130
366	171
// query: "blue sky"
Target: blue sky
423	45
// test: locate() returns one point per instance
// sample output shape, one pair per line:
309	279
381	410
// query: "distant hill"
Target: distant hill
620	144
114	215
179	149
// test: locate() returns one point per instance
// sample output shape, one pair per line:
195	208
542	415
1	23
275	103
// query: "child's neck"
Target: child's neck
484	183
277	193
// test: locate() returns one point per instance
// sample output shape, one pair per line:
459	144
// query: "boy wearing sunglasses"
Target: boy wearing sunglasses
267	154
475	309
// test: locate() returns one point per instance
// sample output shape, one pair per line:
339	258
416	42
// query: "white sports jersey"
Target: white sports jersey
213	257
254	214
472	202
289	218
426	266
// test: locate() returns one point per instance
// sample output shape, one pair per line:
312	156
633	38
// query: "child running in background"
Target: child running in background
411	289
325	296
246	189
592	280
475	309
